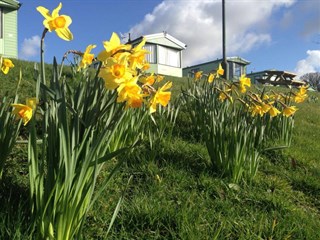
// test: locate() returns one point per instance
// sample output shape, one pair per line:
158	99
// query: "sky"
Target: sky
270	34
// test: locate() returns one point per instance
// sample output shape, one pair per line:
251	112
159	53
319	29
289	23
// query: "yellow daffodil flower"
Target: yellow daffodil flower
210	77
115	72
130	92
288	111
25	111
242	88
257	109
87	57
137	60
137	57
146	66
161	97
160	78
220	71
303	89
6	65
223	95
149	80
22	111
197	75
301	95
55	22
299	98
274	111
265	107
112	47
243	82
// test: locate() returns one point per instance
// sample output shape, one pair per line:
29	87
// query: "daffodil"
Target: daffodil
55	22
6	65
87	57
242	88
113	48
223	95
299	98
131	93
288	111
198	75
22	111
115	72
257	109
243	82
265	107
149	80
160	78
25	111
301	95
220	71
303	89
274	111
210	77
146	66
161	97
137	57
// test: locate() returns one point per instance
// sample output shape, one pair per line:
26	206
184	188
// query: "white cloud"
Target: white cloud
310	64
30	47
198	24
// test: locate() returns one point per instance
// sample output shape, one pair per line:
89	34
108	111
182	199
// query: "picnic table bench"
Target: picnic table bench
275	77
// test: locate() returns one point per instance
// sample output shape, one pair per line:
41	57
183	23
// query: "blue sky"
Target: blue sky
271	34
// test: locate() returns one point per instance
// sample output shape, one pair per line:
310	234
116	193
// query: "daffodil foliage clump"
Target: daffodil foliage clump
236	124
82	127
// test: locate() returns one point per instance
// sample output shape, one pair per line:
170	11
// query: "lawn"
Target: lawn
172	194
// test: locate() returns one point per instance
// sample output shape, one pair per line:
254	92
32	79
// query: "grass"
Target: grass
176	196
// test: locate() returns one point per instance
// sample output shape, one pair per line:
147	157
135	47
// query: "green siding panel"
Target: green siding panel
206	68
165	70
213	66
153	68
169	71
10	33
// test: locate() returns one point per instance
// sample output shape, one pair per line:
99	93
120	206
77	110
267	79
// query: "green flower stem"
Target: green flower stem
42	69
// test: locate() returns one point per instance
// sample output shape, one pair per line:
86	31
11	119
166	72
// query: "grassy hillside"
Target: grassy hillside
175	196
24	75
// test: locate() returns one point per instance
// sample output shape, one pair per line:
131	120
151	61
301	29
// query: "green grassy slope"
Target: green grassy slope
176	196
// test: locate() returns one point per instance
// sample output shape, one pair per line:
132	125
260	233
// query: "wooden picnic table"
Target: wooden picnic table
275	77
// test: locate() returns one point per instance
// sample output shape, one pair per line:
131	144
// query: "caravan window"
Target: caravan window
169	56
151	57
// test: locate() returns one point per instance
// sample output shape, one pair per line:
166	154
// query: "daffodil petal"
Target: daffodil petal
44	12
64	33
166	86
55	12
